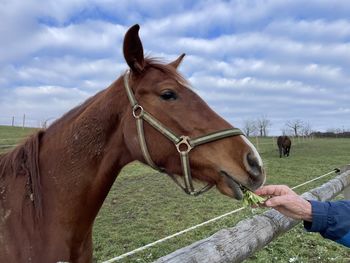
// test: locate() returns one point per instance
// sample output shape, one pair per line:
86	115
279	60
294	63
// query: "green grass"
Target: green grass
12	135
144	206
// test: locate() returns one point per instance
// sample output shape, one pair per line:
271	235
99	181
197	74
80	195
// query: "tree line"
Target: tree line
332	134
260	127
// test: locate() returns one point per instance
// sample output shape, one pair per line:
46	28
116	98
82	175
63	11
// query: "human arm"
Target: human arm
330	219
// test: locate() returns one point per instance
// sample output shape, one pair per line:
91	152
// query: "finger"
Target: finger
274	190
269	190
277	201
266	190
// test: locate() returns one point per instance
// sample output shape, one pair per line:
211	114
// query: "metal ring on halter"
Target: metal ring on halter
135	109
184	142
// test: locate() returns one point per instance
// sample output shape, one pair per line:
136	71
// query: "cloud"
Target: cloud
314	30
286	60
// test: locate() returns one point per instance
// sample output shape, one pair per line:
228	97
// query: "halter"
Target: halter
183	144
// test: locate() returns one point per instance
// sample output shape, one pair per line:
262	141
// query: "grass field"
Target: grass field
9	136
144	206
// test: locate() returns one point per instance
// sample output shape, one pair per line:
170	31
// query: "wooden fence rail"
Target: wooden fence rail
248	236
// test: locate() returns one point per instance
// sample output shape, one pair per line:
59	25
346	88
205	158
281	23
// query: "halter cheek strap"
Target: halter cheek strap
183	144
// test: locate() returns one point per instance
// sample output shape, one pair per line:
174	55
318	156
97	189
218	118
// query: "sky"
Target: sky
282	60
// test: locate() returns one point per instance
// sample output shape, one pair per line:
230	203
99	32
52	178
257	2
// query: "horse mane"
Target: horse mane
24	161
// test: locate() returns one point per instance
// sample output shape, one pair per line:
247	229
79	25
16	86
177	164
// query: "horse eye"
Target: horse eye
168	95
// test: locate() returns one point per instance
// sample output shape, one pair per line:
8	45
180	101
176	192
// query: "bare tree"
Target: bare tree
263	123
285	131
306	129
295	126
249	127
338	130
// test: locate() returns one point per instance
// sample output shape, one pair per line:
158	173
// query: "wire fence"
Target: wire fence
25	121
263	144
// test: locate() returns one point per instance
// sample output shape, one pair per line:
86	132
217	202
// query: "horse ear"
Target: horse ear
178	61
133	50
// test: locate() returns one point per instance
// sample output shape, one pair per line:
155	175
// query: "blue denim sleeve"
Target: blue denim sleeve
331	220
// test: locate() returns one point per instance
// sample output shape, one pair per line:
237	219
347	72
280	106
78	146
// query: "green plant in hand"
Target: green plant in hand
252	199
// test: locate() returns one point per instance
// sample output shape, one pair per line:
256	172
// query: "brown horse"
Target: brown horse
53	185
284	144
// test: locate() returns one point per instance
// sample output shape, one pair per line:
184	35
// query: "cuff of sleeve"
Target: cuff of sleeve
319	217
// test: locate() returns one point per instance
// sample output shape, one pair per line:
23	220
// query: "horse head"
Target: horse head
159	94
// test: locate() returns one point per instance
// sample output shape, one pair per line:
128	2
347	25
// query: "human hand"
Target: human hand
286	201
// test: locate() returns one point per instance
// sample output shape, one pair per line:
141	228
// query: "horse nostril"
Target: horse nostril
254	167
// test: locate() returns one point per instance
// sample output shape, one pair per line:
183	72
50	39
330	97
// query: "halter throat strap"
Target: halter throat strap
183	144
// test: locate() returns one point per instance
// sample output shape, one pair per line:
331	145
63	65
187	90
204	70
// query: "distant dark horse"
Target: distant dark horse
284	143
53	185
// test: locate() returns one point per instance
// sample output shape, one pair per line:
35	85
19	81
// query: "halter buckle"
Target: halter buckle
184	146
137	111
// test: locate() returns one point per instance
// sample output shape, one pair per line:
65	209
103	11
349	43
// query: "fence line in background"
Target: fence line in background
24	121
295	141
199	225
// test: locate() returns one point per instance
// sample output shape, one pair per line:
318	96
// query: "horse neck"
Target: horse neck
80	157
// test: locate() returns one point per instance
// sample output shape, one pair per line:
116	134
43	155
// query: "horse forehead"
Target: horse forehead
166	77
174	81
